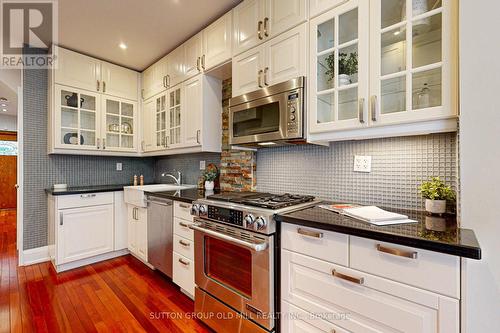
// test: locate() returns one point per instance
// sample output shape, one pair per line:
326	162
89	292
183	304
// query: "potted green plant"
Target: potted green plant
209	176
348	66
436	194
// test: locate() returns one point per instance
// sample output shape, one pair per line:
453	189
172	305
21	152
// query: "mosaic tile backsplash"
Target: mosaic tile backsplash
399	165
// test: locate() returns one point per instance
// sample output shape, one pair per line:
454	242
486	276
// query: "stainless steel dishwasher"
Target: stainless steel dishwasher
160	234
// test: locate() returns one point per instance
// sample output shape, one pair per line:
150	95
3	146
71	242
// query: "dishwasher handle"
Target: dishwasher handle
161	202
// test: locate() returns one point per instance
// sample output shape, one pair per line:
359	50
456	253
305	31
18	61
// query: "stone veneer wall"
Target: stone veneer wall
238	167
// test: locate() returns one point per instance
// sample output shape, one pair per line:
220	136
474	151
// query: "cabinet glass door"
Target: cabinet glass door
410	59
174	121
119	124
77	118
161	121
339	68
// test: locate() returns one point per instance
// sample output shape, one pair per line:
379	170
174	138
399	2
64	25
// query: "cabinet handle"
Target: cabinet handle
309	233
98	143
183	243
198	64
185	225
142	93
259	74
104	86
142	145
61	219
348	277
397	252
85	196
259	27
167	80
361	110
198	136
98	85
103	143
166	141
185	263
265	76
374	108
266	20
183	206
203	62
164	79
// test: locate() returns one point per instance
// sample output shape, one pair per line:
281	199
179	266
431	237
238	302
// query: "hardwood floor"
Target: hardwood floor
119	295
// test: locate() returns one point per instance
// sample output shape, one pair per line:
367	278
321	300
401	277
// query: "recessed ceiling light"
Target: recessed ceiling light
4	110
4	105
123	46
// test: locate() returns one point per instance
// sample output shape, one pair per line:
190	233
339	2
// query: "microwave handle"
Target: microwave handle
257	247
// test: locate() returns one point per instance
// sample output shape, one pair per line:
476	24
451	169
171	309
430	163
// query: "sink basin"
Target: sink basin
134	195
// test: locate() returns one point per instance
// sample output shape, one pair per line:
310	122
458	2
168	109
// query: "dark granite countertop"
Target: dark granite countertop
187	195
86	189
438	234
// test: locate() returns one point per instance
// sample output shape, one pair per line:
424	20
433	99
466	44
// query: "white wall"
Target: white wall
8	123
480	159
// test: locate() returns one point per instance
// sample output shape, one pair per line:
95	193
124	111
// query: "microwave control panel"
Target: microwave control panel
294	101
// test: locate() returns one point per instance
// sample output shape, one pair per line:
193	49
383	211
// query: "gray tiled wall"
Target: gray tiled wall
188	164
399	165
42	171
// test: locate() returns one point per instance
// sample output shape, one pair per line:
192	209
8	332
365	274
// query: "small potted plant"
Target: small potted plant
210	176
436	194
348	66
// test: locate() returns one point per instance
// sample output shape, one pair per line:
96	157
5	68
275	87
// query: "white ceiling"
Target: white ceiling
150	28
10	80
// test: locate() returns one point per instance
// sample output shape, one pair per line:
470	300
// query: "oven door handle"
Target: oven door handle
257	247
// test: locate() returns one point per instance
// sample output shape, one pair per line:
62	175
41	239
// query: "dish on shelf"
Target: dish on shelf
72	139
126	128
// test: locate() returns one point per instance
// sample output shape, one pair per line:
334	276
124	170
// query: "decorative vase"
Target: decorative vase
209	185
344	79
435	206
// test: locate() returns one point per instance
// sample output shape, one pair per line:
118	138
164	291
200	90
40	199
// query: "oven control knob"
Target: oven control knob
249	220
292	109
203	209
195	209
260	223
292	117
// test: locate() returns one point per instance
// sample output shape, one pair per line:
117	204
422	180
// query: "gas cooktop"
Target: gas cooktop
262	200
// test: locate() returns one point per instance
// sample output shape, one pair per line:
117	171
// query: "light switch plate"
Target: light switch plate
119	166
202	165
362	163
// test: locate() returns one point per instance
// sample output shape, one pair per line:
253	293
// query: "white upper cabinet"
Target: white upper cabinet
194	108
175	67
217	42
148	125
319	6
119	124
339	44
154	78
77	70
119	81
194	54
280	59
256	21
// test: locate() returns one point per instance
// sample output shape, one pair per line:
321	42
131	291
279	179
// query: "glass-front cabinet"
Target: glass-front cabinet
168	112
119	119
382	62
77	118
339	67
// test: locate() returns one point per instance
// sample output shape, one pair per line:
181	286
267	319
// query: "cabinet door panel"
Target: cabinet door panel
217	41
118	81
183	273
319	6
132	229
119	129
193	114
246	69
286	56
142	233
247	16
193	49
148	125
175	67
77	70
283	15
85	232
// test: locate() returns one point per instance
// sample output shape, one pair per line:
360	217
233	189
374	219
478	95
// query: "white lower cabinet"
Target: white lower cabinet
137	218
183	273
183	257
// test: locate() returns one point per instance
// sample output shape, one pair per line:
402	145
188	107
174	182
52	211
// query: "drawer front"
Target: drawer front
184	246
182	210
309	283
424	269
296	320
183	273
181	228
84	200
326	245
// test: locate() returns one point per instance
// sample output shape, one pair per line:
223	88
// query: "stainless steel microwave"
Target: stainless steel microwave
269	116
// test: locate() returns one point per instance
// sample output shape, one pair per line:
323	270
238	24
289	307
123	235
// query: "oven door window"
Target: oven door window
229	265
257	120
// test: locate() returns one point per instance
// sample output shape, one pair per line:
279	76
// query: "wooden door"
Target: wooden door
8	176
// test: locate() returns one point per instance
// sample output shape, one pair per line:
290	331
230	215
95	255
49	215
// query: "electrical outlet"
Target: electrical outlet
119	166
202	165
362	163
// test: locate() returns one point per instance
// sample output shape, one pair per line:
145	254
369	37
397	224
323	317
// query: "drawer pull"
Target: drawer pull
185	225
185	263
183	206
347	277
84	196
309	233
397	252
183	243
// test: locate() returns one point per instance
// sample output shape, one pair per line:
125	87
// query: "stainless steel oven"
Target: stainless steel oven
235	267
272	115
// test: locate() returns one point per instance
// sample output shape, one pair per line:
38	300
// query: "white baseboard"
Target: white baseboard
35	256
92	260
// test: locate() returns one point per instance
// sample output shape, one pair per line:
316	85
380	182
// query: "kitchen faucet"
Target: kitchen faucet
178	180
